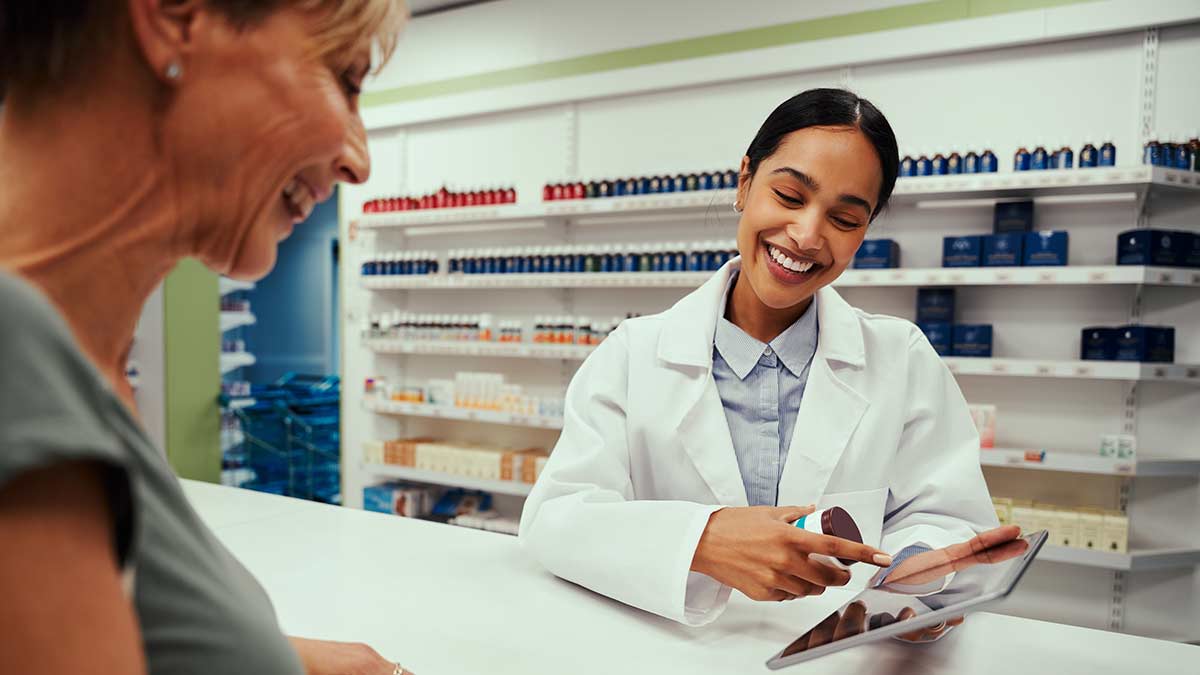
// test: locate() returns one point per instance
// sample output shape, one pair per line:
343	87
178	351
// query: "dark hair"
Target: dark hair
45	44
830	108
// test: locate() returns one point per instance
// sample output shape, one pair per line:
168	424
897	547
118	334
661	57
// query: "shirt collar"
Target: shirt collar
795	346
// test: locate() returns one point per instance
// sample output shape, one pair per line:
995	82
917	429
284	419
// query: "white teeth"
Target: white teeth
786	262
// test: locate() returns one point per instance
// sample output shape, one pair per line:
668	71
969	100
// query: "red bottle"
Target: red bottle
557	192
510	196
470	199
548	193
578	191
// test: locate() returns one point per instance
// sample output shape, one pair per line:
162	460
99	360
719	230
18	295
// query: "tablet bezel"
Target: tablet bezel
1036	540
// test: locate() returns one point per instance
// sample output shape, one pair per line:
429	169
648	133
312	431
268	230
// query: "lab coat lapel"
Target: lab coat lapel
705	435
830	410
686	346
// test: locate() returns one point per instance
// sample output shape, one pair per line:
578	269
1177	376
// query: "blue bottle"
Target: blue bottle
1183	156
1089	157
679	183
605	189
730	179
988	162
630	260
644	186
668	184
907	166
618	189
971	162
1038	159
938	165
653	185
954	163
1108	154
1152	153
1063	158
1021	159
695	260
924	166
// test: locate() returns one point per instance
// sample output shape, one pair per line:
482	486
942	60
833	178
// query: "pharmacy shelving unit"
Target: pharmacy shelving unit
1136	396
232	321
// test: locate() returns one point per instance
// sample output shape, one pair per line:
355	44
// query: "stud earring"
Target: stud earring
736	209
174	71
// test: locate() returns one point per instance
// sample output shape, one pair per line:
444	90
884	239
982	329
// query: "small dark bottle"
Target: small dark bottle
1152	153
1108	154
971	162
954	163
1021	159
1089	157
938	164
907	166
1039	160
924	166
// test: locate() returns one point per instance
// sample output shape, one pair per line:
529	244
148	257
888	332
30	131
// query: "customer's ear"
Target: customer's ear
165	33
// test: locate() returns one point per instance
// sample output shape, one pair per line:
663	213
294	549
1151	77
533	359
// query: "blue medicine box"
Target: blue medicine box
877	254
973	340
940	334
962	251
1191	250
1003	250
380	498
1013	217
1150	344
935	305
1045	248
1153	247
1098	343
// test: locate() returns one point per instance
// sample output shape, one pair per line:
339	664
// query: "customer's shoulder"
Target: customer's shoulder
30	324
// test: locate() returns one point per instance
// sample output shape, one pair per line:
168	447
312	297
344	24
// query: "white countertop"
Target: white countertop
452	601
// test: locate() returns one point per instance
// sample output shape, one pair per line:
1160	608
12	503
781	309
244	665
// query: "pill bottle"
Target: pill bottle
834	522
1108	152
988	162
1021	159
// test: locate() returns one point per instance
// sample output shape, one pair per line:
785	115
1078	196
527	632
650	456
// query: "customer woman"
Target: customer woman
692	437
135	133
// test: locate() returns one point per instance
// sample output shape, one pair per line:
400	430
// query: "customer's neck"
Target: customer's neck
745	310
86	215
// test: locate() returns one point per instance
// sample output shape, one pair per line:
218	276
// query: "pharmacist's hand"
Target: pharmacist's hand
994	546
757	550
324	657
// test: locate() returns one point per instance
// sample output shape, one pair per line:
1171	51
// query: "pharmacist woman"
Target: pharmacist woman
694	438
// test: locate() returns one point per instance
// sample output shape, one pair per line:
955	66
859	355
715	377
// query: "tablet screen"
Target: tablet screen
912	591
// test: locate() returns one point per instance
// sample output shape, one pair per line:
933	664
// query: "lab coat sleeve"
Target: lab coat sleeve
583	522
937	493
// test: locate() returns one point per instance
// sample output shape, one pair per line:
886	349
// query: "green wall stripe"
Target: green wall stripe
191	336
857	23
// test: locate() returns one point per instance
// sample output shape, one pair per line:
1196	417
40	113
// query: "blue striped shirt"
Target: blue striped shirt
761	386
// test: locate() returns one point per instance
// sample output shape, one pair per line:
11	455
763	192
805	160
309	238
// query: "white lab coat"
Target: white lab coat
645	456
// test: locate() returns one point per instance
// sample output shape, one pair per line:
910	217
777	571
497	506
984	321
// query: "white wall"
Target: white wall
1007	88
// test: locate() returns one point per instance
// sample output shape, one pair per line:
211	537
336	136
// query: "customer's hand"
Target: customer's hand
324	657
991	547
757	550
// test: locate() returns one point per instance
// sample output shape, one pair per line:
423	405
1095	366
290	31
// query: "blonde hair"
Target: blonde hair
49	43
352	22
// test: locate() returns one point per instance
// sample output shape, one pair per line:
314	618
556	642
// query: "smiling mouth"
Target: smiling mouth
787	268
299	200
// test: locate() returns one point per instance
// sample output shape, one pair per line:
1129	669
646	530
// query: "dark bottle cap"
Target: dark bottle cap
837	522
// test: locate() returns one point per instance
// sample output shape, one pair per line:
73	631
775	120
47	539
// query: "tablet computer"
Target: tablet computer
906	606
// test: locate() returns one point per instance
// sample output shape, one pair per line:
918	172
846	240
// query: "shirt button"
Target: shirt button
767	351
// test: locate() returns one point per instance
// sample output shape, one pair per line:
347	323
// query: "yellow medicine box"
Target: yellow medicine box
1116	532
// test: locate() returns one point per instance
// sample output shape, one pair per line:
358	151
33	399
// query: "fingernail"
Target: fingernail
882	559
